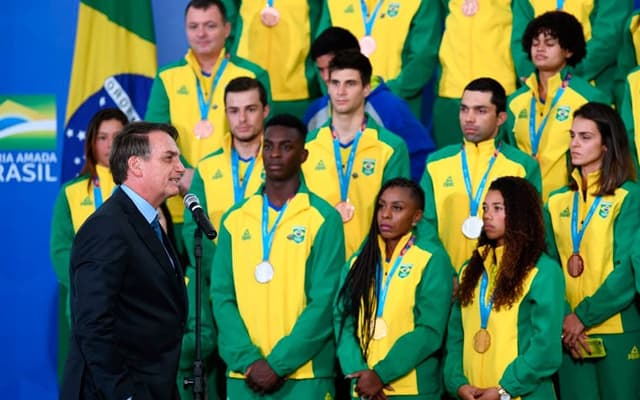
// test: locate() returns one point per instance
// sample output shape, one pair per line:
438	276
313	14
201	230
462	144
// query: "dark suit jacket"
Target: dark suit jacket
128	308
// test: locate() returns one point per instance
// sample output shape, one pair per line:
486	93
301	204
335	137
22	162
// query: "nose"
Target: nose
180	167
385	212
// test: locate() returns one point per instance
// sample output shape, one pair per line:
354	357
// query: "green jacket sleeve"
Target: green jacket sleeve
453	371
543	356
522	15
428	225
628	52
189	228
234	342
313	329
61	238
626	112
635	262
617	291
158	105
550	246
232	7
607	25
319	20
348	347
208	330
533	175
420	51
431	312
398	164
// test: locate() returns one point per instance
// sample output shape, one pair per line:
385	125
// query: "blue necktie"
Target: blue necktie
155	224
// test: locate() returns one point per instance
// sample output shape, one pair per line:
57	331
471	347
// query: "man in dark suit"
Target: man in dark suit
128	301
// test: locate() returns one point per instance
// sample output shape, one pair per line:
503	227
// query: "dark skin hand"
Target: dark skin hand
369	385
261	378
573	336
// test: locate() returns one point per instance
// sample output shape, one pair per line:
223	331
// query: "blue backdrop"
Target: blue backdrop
37	53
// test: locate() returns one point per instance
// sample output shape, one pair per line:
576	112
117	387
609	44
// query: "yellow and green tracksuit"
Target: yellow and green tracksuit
630	112
447	203
602	24
555	138
603	296
525	348
213	184
74	204
629	50
416	311
282	50
407	35
472	47
286	321
380	156
174	100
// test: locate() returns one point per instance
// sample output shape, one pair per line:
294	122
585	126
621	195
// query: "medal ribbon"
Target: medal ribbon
267	235
485	309
97	194
204	105
368	22
239	189
269	3
535	136
559	4
475	200
576	235
345	177
383	290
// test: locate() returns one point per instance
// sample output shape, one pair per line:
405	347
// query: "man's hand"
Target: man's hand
262	379
468	392
369	385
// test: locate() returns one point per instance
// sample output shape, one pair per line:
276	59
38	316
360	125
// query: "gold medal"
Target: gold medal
380	329
346	210
481	341
575	265
269	16
470	7
203	129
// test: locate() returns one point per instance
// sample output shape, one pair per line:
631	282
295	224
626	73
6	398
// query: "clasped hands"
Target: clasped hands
261	378
573	336
469	392
369	385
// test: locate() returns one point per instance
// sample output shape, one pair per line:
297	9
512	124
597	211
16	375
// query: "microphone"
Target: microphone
192	203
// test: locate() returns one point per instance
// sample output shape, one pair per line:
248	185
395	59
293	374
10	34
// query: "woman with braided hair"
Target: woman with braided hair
503	340
394	301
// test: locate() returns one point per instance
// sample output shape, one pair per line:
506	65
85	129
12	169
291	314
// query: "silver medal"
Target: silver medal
472	227
264	272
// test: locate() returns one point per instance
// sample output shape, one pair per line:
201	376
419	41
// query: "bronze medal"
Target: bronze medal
269	16
380	329
575	265
203	129
481	341
346	210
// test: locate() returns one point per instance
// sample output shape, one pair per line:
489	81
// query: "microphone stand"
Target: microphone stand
197	381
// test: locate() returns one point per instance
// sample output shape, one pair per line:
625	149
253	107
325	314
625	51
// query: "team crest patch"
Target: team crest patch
217	175
405	270
86	202
563	113
320	166
565	213
393	9
298	234
368	166
604	209
523	113
634	354
349	9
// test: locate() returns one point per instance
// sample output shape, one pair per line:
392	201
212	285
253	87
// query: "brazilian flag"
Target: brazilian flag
114	65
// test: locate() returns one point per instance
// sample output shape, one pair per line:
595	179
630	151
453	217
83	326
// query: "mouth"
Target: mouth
385	228
175	180
470	129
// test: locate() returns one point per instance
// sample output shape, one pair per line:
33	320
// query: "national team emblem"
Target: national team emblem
405	270
393	9
563	113
368	166
298	234
604	209
523	114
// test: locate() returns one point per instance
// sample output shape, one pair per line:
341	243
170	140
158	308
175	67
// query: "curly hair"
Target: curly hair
358	294
523	244
559	25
